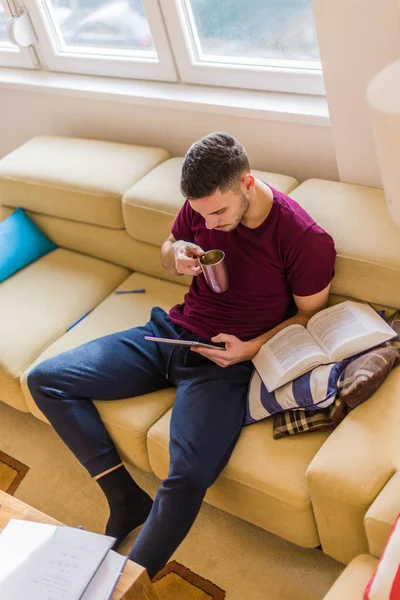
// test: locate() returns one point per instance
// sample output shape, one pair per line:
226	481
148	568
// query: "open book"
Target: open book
39	561
331	335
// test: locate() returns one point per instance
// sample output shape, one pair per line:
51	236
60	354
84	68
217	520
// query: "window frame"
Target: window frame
139	65
284	76
10	55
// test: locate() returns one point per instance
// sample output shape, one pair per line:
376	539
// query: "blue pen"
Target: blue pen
135	291
79	320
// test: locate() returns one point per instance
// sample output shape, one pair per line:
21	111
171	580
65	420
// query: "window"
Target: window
259	44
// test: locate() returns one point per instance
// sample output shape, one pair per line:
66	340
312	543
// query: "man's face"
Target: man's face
222	211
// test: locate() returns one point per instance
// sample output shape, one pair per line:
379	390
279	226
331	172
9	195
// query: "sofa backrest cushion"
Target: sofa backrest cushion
151	205
78	179
367	240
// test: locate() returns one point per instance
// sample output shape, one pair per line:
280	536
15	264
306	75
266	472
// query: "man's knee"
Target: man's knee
39	377
190	475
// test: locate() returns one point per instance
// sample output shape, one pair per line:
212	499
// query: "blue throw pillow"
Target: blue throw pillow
313	390
21	243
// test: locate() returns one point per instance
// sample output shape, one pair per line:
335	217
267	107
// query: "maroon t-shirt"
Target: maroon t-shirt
287	254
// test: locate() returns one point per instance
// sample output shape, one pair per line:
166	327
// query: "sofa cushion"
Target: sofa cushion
113	245
21	243
394	322
351	583
365	374
264	481
157	199
312	390
74	178
127	420
367	240
381	515
40	302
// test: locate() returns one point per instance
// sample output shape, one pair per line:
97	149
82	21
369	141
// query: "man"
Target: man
280	265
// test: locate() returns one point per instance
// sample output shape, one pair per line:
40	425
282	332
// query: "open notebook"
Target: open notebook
46	562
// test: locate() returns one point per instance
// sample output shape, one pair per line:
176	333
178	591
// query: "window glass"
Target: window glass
268	30
3	25
109	24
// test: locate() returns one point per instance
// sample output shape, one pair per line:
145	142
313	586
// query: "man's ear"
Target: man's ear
248	181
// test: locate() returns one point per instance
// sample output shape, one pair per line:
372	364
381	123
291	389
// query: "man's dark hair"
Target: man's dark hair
214	162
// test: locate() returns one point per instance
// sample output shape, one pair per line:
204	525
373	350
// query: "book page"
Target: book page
292	346
289	354
348	328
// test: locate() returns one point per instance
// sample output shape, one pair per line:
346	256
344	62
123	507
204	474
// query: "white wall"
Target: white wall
302	151
357	38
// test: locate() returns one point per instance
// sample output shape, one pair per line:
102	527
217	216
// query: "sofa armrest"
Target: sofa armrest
381	516
352	467
352	582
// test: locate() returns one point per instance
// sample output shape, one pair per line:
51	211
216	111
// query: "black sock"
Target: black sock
129	504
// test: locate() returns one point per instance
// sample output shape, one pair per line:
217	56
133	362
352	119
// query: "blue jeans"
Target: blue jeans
205	424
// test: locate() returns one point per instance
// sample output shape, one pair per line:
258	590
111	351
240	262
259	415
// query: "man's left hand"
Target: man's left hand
236	351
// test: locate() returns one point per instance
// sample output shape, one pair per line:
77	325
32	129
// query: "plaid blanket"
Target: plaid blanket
300	420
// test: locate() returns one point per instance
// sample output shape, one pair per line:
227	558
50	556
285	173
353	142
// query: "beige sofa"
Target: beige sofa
109	207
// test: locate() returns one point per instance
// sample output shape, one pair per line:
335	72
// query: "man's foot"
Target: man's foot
129	504
121	523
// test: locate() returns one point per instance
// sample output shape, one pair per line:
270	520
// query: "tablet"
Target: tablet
182	342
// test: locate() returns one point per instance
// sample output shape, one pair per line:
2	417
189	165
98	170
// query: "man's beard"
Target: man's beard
244	207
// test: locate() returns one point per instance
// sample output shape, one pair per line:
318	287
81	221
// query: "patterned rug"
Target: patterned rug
174	582
177	582
12	473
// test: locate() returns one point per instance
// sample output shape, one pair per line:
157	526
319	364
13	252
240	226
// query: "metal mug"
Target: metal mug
214	269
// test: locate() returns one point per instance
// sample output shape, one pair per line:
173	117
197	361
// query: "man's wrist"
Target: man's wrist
174	245
178	243
254	346
168	260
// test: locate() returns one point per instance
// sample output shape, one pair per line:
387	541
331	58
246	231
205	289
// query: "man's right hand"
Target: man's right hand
186	255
